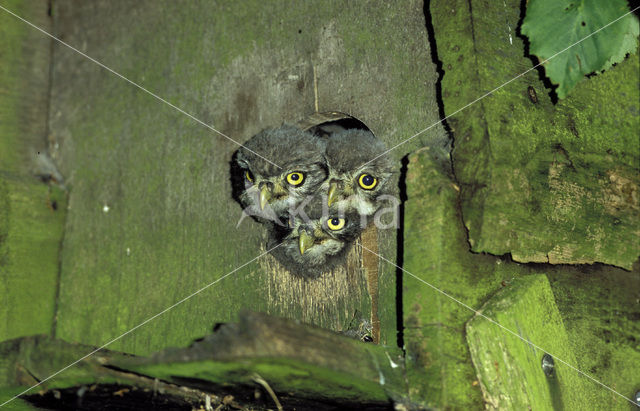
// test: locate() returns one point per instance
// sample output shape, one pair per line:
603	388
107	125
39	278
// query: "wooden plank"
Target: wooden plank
297	361
170	225
439	368
25	57
30	236
31	213
540	180
301	367
596	304
510	370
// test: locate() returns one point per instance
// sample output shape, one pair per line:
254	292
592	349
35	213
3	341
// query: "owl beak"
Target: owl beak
305	241
265	195
332	196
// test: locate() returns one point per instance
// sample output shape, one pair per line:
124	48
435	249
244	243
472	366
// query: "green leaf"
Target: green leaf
554	25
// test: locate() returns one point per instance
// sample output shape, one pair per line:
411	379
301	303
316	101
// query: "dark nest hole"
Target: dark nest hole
328	127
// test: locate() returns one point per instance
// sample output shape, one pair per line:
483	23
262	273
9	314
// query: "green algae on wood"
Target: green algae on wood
27	361
544	182
439	369
296	360
17	404
600	310
25	57
509	367
31	227
597	303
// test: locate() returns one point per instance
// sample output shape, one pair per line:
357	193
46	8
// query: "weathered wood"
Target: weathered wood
336	300
601	314
371	264
305	367
170	225
509	369
439	370
303	361
31	213
26	361
25	57
543	182
597	303
31	229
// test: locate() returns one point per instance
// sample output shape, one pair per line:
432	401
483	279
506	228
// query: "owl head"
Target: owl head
266	190
317	237
359	171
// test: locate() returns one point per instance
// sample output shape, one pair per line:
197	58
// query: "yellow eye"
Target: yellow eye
248	176
335	223
367	181
295	179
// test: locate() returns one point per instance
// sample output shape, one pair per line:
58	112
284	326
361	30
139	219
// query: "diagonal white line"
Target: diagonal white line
139	325
135	84
476	312
497	88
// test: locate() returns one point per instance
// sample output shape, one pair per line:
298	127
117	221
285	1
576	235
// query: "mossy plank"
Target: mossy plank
28	360
439	370
18	404
25	57
296	360
30	237
600	310
151	218
31	213
509	369
544	182
598	304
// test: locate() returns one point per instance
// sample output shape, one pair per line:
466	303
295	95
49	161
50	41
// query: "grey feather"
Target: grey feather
330	247
349	155
290	148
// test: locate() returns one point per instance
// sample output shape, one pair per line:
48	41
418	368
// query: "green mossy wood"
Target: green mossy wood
31	213
436	249
553	26
439	368
296	361
151	219
598	305
30	235
601	314
507	364
544	182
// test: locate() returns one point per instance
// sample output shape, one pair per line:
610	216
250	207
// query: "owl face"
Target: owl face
317	238
265	190
356	182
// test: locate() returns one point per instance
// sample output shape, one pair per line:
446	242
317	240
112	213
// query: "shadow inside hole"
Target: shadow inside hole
327	128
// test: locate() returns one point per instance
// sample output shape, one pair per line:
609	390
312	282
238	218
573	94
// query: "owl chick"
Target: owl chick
317	238
263	189
355	181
